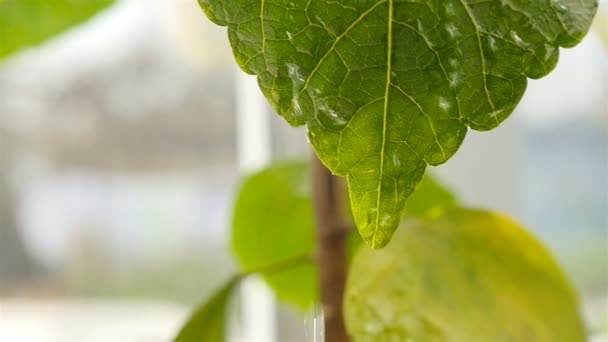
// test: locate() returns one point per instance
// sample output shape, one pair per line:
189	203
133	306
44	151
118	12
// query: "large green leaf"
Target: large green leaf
273	226
389	86
460	276
24	23
208	322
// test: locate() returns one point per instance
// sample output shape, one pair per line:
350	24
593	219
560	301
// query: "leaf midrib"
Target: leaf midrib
389	67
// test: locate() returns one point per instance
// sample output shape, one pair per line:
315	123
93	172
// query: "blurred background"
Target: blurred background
119	163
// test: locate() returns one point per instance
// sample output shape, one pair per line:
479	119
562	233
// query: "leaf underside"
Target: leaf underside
461	276
387	87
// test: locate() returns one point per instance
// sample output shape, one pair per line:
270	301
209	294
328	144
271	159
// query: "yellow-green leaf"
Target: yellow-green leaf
461	276
387	87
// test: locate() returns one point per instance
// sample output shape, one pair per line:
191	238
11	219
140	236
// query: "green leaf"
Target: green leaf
461	276
208	323
273	221
389	86
25	23
273	227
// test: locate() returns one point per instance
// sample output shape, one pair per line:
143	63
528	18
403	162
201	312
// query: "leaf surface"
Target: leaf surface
25	23
461	276
208	322
387	87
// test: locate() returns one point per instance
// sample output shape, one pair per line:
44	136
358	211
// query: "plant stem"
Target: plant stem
332	233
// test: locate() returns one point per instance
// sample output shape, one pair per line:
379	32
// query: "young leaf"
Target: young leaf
208	323
389	86
461	276
25	23
273	223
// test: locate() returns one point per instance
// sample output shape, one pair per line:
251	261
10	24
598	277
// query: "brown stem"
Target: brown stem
328	197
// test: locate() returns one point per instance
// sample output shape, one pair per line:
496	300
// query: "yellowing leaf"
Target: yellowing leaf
462	276
387	87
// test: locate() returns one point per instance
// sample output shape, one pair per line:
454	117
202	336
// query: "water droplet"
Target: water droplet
496	113
396	160
452	30
560	6
455	78
320	20
444	103
337	119
549	52
420	27
385	220
296	108
458	50
492	43
517	39
293	71
330	116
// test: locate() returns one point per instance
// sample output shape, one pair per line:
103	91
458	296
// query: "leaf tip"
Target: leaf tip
382	231
380	240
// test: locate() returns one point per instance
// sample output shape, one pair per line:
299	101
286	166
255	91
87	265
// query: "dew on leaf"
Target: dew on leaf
452	30
517	39
420	27
444	103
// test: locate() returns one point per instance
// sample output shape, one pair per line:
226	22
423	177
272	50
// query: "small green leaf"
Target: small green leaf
208	323
273	221
25	23
387	87
461	276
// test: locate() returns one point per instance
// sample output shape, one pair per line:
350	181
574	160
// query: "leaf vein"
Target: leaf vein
389	63
481	55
